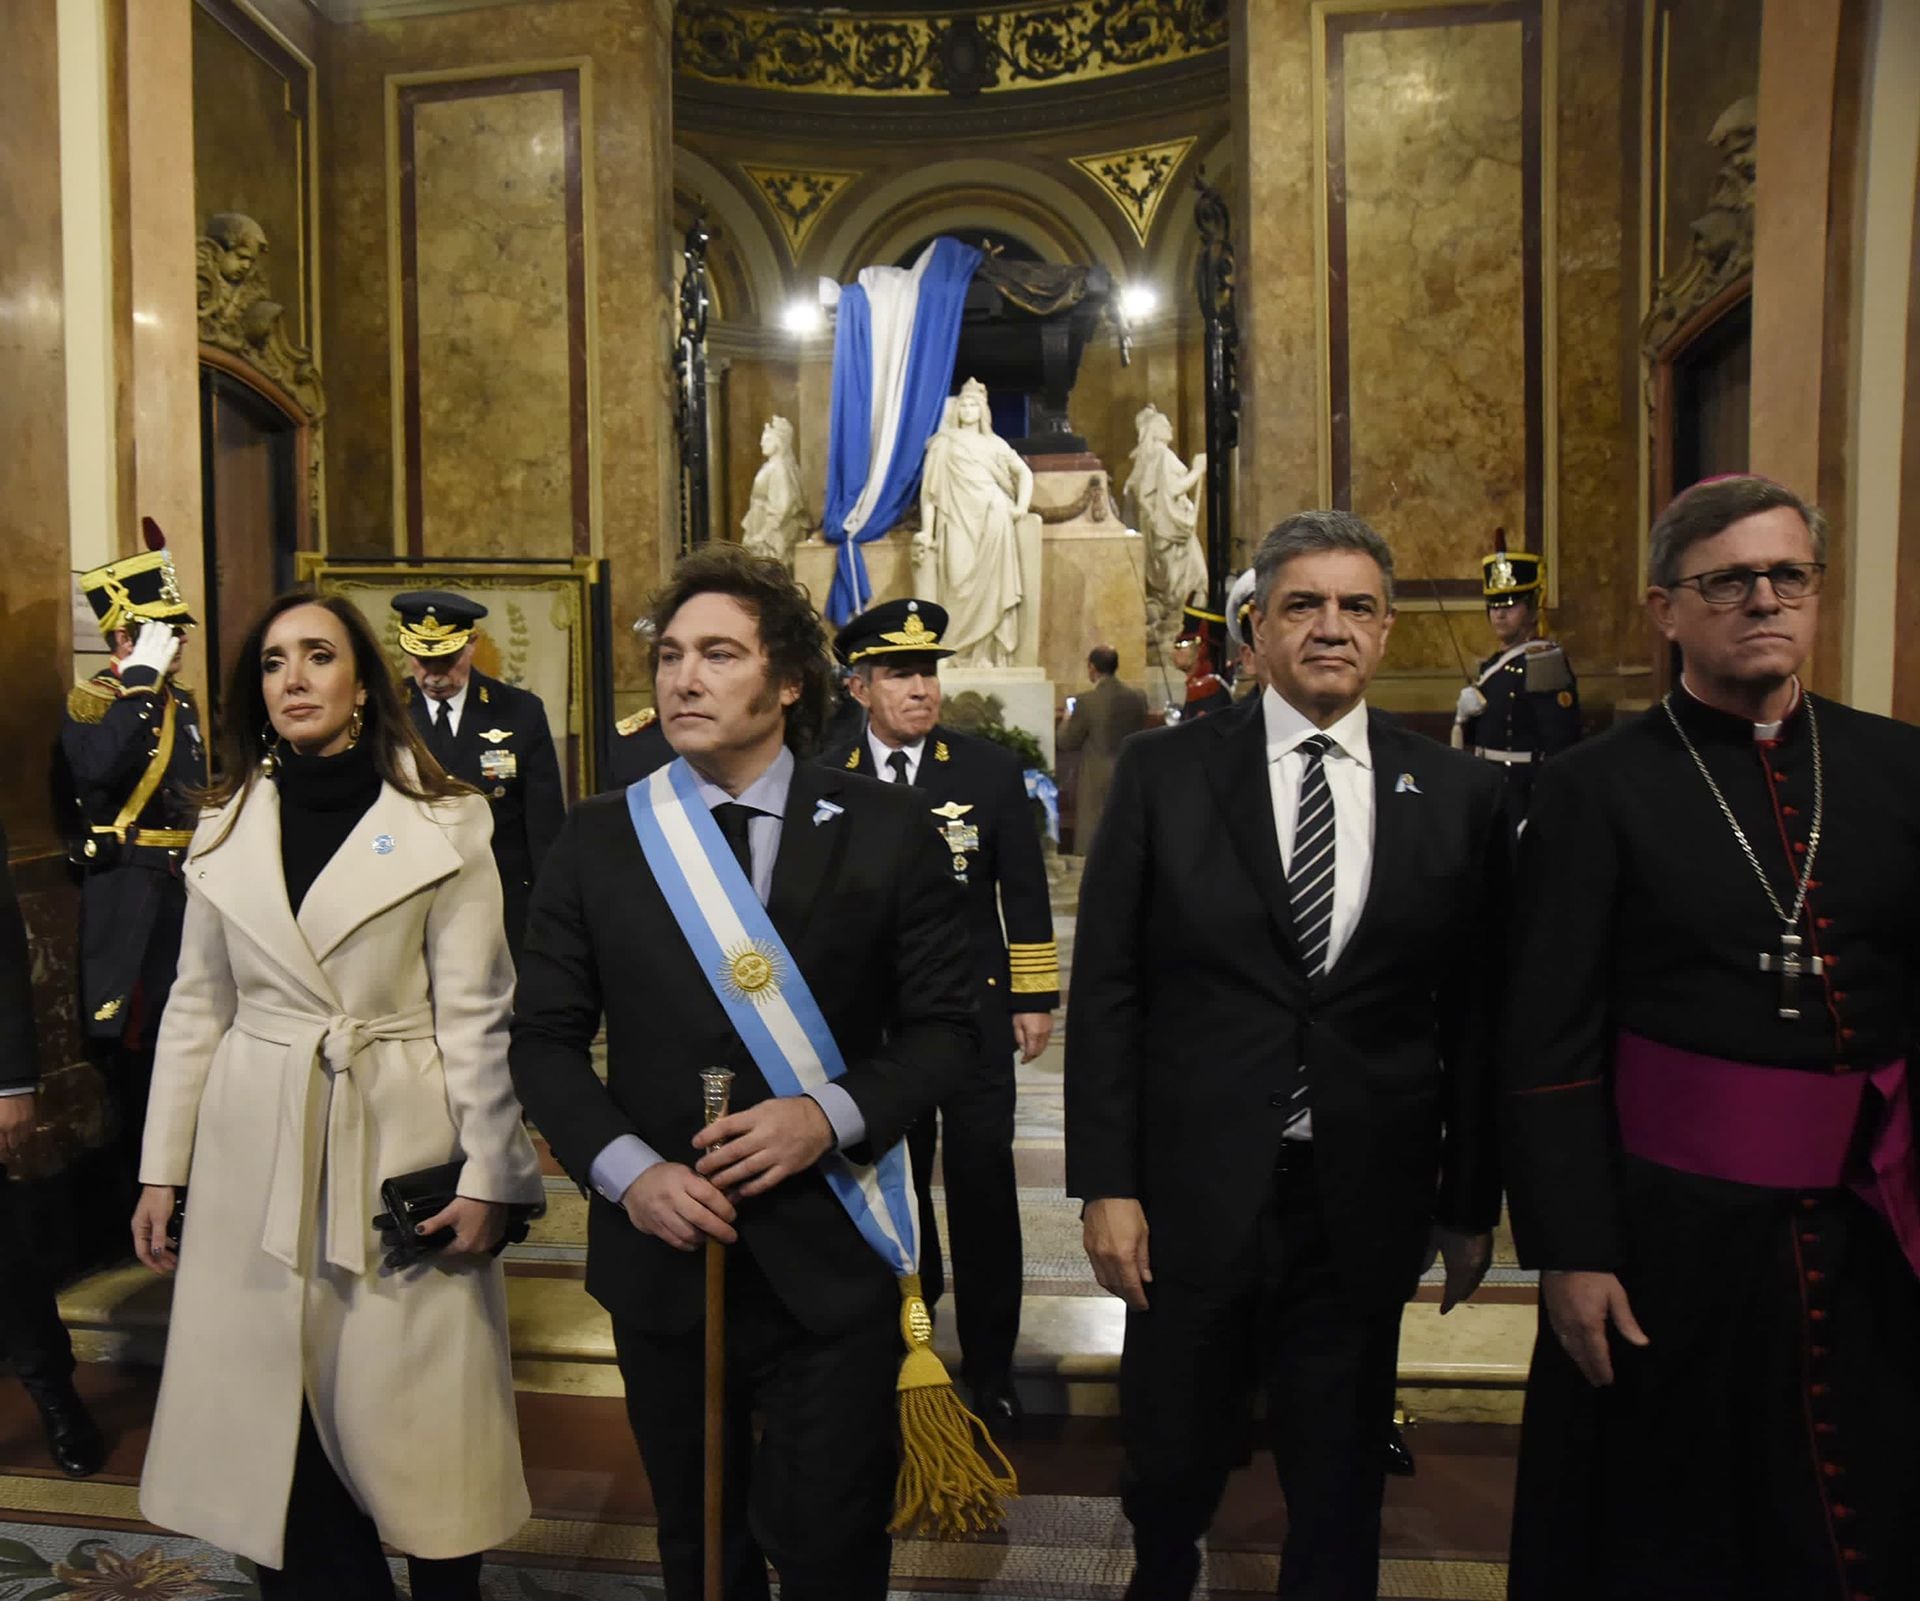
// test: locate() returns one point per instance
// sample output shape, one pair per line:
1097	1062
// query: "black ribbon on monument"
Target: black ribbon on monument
1213	273
690	380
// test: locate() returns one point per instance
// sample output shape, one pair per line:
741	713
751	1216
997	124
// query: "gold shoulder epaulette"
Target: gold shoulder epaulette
88	702
641	719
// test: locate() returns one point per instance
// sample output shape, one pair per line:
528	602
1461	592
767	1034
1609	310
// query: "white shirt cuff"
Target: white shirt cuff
619	1163
849	1124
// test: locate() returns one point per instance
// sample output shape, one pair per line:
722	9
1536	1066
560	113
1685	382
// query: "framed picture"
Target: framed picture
543	633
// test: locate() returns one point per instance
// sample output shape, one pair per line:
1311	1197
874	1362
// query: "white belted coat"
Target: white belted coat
300	1063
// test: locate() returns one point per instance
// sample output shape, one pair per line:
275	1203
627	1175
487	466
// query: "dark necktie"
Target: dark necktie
441	740
733	819
897	765
1311	873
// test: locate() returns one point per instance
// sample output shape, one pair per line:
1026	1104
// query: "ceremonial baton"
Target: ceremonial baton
1457	739
716	1084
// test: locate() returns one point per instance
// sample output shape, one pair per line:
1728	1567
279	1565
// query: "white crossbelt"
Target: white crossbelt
1513	758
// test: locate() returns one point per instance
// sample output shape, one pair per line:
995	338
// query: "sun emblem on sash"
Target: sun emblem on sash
752	972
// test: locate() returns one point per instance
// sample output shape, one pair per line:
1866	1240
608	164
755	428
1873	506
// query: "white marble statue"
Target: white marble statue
776	518
1160	488
974	489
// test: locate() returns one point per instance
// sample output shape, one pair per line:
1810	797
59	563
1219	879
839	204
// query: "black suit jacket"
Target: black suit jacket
528	803
1191	1007
994	845
870	913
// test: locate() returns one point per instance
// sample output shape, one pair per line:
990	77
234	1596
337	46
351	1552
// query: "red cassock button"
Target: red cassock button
1814	1275
1831	1469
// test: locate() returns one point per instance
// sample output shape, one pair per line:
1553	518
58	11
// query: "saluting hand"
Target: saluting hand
1579	1306
754	1150
1114	1232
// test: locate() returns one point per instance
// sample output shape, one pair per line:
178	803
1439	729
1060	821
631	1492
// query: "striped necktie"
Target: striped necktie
1310	876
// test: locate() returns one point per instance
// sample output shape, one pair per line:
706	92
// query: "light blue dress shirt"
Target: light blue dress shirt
626	1157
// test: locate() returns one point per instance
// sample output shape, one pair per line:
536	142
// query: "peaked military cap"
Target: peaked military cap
138	589
1197	623
1240	610
435	622
1507	575
894	628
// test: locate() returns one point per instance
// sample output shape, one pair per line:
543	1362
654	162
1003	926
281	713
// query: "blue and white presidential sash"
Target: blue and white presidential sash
764	993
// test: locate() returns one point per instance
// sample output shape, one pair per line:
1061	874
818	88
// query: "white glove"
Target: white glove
154	648
1470	705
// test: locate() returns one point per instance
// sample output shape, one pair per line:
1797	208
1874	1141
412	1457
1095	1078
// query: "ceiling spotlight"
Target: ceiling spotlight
802	317
1138	301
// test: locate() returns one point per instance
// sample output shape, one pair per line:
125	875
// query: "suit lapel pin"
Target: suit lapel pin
825	812
1404	785
383	845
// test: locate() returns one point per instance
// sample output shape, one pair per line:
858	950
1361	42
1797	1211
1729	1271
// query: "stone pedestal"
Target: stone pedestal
1025	695
1096	571
889	567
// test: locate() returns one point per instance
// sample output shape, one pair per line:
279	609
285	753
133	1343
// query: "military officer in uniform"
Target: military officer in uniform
1524	706
1196	652
487	734
135	757
977	799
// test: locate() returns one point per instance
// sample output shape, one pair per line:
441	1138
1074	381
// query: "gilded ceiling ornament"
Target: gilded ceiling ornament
1014	46
799	196
1137	180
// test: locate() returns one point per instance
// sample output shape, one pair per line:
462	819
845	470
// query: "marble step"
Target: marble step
1467	1367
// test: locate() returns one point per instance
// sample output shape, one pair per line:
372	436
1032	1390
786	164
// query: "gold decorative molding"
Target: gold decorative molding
1721	252
1137	179
1039	44
798	196
238	314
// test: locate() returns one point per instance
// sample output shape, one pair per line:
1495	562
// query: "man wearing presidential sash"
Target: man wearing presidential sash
802	927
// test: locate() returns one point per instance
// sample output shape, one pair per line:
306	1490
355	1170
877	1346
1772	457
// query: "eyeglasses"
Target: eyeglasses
1734	586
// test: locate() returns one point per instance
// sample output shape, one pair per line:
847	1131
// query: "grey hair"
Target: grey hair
1306	533
1711	507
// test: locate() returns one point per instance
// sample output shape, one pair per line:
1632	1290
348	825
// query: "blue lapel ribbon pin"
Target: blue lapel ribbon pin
383	846
1404	785
825	812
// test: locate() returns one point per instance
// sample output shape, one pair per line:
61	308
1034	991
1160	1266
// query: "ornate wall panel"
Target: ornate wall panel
1436	214
253	144
492	325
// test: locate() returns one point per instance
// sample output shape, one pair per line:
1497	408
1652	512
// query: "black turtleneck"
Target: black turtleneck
321	798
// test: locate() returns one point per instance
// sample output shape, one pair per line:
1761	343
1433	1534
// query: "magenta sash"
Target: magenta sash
1774	1127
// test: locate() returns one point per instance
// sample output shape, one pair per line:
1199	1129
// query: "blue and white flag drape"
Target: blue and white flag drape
893	356
764	993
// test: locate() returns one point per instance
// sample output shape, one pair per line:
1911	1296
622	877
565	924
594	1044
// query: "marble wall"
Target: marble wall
493	310
252	142
626	131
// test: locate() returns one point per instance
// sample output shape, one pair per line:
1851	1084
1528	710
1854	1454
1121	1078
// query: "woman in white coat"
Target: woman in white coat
339	1018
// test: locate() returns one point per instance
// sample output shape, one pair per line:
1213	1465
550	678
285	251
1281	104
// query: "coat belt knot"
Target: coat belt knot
322	1126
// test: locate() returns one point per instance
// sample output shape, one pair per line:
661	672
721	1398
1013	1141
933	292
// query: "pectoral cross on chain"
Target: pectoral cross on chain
1792	966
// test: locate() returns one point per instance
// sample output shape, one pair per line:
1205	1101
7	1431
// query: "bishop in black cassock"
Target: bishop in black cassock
1704	1100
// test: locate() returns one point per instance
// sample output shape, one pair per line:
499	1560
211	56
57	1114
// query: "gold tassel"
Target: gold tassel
948	1487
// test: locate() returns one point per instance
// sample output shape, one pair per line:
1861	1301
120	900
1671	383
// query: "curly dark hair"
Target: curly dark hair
791	631
386	725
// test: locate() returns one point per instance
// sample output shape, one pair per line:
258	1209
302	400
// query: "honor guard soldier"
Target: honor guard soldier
487	734
1196	652
135	757
977	800
1525	705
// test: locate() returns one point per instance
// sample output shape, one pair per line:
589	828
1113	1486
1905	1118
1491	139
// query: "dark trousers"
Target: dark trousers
1286	1325
333	1548
983	1216
1761	1446
32	1337
812	1494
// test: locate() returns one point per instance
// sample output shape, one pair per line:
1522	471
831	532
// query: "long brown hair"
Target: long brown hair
246	733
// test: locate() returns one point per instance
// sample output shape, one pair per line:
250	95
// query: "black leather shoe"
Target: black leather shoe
73	1438
997	1404
1399	1455
1164	1576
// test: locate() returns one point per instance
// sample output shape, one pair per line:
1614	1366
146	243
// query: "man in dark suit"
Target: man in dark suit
32	1338
1278	1069
1099	721
487	734
975	795
862	895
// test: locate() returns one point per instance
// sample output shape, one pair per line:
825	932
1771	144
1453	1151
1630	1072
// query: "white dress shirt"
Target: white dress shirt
882	750
625	1158
450	708
1349	770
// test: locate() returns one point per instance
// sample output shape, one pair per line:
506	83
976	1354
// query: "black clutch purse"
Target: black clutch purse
412	1198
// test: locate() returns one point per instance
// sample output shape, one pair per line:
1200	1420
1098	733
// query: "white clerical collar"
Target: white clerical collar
1287	728
1761	731
882	750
